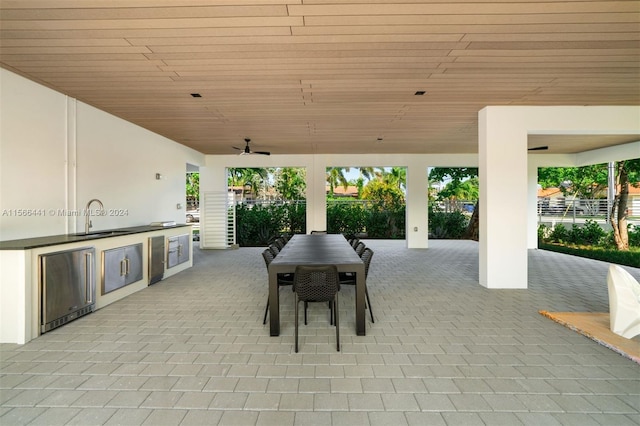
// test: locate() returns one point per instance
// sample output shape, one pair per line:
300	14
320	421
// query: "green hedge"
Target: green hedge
258	225
628	258
447	225
376	220
590	241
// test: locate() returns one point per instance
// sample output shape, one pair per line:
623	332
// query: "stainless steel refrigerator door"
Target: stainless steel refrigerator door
156	259
68	283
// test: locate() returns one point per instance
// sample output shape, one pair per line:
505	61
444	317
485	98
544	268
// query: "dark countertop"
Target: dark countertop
53	240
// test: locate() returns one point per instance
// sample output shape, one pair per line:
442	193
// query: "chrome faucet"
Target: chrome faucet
87	211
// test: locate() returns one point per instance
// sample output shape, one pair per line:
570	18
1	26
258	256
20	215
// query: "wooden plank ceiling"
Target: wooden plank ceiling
327	76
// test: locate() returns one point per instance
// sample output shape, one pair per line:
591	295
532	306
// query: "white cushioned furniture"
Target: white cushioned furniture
624	302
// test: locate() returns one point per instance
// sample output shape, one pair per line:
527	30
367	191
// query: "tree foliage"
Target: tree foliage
590	182
461	190
439	174
290	183
627	172
193	188
383	192
457	176
336	176
397	177
584	182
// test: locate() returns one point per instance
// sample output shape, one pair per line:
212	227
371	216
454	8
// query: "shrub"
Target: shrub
559	234
634	235
543	232
296	218
591	233
259	225
346	218
447	225
385	222
380	219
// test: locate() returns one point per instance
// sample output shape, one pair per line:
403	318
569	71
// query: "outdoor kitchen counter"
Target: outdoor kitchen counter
54	240
20	272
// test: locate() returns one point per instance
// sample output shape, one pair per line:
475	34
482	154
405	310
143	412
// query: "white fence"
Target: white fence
555	210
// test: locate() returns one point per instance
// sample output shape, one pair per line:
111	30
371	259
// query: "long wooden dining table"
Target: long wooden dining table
316	249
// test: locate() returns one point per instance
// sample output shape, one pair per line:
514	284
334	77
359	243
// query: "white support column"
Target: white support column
532	205
417	220
503	200
506	179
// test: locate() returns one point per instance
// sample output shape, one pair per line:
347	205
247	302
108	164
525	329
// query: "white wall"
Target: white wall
57	153
32	156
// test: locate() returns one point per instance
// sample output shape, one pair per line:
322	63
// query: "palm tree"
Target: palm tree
370	172
396	177
335	176
250	176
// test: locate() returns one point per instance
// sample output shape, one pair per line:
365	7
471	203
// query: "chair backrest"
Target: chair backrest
354	242
267	256
318	232
360	248
279	242
274	249
316	283
367	254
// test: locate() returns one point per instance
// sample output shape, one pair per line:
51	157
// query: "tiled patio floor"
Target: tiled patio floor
192	350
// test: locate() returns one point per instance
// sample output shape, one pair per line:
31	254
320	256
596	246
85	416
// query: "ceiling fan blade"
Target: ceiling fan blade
261	152
539	148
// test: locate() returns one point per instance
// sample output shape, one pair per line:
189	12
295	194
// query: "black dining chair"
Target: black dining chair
283	279
354	242
275	250
279	242
360	248
317	284
348	278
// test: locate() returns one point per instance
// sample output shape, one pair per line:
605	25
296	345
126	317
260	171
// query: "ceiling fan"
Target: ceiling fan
246	150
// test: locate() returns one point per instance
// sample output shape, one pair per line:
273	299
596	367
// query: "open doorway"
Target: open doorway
192	196
367	202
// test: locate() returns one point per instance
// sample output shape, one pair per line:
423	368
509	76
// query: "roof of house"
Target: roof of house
552	192
340	191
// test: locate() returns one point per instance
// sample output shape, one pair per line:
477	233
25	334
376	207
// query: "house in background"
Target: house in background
634	201
351	191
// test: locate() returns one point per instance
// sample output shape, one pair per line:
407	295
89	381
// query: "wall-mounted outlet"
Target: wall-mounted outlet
178	206
415	229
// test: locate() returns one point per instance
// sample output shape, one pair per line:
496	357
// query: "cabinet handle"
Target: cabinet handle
88	258
127	265
123	270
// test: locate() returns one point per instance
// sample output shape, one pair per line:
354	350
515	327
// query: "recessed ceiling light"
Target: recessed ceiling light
196	95
420	93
